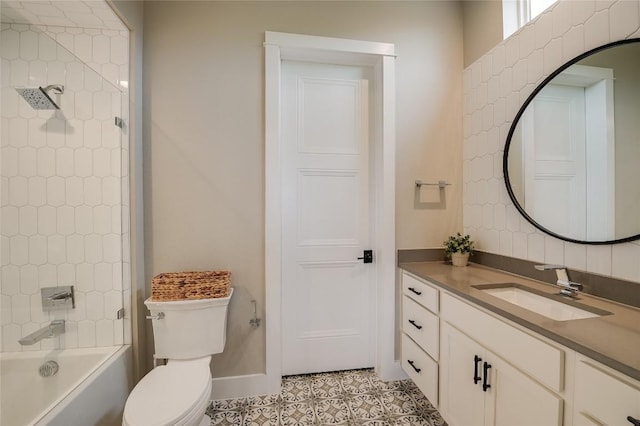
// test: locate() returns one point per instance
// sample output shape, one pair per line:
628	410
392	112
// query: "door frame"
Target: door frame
380	56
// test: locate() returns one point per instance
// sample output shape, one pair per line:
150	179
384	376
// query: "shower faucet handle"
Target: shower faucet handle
57	298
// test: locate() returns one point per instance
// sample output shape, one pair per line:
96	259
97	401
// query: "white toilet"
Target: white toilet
186	333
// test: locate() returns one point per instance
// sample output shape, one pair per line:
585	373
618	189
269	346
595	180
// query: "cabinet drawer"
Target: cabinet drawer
422	326
603	398
421	292
422	369
529	354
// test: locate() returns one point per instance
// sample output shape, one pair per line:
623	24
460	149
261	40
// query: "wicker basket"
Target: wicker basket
172	286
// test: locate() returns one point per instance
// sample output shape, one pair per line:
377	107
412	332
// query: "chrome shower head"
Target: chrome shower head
39	98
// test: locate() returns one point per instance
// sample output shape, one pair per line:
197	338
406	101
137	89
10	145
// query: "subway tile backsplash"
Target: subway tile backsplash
495	87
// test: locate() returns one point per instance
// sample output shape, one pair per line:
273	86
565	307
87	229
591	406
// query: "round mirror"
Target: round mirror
572	157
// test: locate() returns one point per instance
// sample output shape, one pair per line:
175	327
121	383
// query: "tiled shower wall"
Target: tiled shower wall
64	186
495	86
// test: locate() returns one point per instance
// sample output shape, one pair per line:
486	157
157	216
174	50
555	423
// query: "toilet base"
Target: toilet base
206	421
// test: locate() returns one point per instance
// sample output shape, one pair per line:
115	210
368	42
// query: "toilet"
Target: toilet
186	333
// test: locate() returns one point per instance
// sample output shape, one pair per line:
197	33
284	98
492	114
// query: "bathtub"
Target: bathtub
90	387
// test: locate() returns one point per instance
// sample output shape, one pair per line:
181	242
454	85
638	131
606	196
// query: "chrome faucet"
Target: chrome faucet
56	328
569	288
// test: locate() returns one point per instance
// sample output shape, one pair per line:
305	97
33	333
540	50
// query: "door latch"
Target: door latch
367	256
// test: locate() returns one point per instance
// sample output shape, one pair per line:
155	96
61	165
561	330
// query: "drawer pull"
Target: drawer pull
413	290
634	422
414	367
486	385
476	361
413	323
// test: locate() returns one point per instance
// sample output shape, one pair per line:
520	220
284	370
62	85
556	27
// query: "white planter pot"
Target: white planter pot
459	259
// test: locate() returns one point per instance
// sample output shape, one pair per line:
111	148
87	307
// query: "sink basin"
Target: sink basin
537	303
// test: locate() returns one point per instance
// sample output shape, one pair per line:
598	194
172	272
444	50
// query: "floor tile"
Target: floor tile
354	398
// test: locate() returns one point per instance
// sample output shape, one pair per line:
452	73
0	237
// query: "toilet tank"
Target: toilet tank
189	328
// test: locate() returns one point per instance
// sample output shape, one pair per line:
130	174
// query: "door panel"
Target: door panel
461	400
553	138
328	211
328	294
515	399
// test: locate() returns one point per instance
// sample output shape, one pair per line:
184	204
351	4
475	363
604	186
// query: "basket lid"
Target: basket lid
188	304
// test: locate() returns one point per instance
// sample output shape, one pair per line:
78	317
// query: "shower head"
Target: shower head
39	98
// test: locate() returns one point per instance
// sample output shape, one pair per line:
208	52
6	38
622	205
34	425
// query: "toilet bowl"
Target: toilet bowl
186	333
174	394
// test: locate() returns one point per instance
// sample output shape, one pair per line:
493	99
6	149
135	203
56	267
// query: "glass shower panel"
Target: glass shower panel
62	195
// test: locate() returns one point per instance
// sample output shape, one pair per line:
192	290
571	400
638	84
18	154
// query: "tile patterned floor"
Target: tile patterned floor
355	397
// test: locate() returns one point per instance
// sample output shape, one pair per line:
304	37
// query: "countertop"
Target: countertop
613	340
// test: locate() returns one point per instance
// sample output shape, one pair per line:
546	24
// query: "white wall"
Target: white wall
495	87
204	104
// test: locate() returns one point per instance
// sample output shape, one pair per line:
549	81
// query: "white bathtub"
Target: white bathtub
90	387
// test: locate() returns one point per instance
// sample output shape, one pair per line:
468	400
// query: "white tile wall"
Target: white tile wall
494	88
106	51
76	14
61	191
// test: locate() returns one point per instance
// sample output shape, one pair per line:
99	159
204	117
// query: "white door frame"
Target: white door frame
380	56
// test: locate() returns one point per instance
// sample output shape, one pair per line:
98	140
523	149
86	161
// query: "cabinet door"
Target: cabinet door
515	399
601	397
461	400
510	398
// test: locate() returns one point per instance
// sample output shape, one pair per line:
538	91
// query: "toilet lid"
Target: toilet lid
168	393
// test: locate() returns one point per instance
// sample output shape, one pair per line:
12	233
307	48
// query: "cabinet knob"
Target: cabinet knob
476	377
414	291
414	367
633	421
486	385
413	323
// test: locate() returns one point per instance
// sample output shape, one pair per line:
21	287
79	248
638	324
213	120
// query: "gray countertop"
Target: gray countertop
613	340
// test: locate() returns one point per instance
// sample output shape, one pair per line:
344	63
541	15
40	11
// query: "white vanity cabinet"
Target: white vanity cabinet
420	335
477	385
478	368
603	396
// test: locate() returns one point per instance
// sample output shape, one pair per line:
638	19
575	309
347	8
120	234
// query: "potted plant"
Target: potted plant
458	247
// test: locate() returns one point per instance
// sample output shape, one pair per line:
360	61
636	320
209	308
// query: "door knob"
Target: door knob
367	256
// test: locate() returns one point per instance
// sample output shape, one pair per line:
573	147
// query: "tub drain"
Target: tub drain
48	369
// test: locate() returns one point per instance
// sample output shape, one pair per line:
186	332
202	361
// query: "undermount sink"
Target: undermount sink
538	303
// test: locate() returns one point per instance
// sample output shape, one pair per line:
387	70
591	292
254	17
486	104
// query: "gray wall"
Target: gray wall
482	20
204	137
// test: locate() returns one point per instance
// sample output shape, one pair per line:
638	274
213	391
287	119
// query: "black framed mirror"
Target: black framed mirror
571	161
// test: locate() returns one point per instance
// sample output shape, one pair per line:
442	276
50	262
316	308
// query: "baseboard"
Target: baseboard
393	372
243	386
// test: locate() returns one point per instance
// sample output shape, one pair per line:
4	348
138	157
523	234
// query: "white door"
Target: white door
327	293
553	136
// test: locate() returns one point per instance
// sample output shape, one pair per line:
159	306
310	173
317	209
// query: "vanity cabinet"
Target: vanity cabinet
478	368
604	397
477	387
421	335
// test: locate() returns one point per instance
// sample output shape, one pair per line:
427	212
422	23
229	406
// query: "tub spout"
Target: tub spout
54	329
